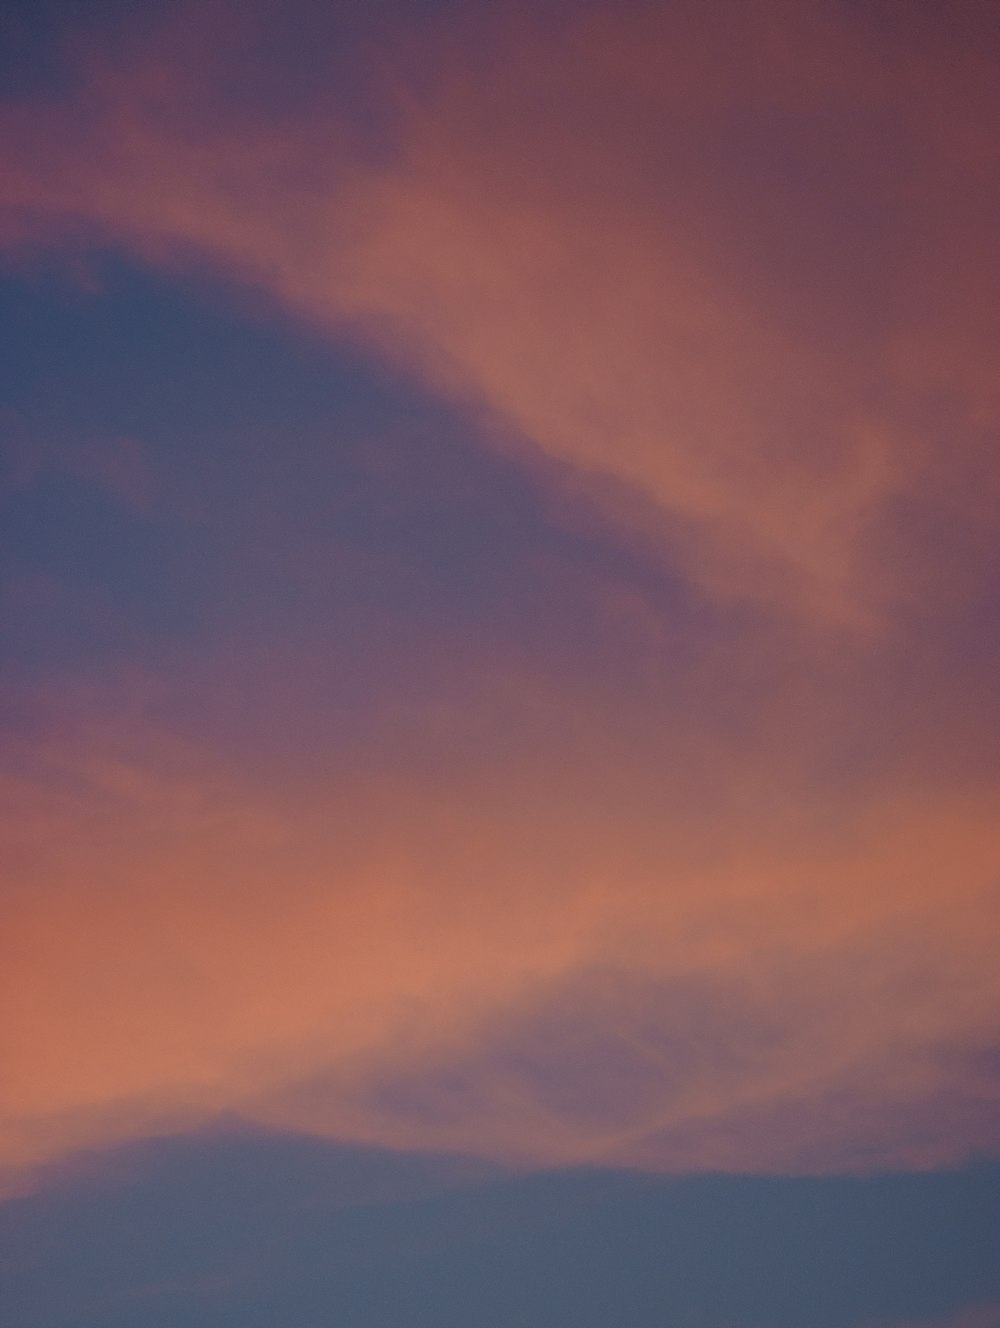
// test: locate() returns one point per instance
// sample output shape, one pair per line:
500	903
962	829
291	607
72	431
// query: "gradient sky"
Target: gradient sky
500	668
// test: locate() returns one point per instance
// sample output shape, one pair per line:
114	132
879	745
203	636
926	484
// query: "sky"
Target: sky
499	703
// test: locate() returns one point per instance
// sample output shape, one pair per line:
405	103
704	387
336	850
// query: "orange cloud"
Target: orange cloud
525	957
734	913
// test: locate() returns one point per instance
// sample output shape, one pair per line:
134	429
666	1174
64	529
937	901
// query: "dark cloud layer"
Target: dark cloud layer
246	1229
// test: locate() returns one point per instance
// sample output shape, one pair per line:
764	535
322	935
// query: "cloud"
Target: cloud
622	791
476	927
700	265
232	1226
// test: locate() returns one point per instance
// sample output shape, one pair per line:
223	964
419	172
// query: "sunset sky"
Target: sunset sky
500	721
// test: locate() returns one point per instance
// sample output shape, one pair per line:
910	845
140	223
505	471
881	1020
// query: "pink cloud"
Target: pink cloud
718	284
